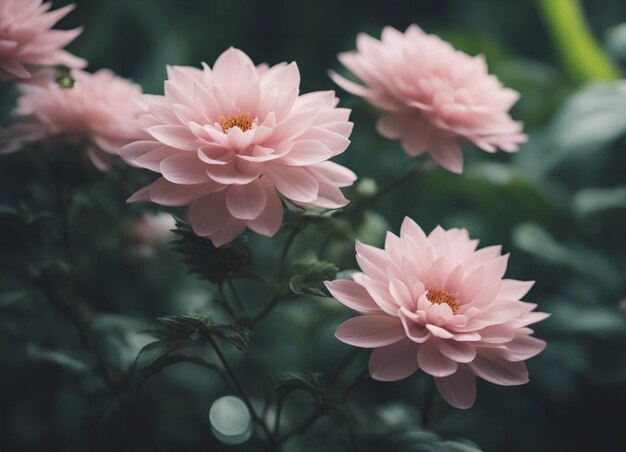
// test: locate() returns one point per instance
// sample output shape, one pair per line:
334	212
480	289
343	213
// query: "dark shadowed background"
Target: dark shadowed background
558	206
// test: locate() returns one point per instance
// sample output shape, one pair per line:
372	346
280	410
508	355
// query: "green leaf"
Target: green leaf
237	335
158	355
418	441
309	382
60	359
576	319
535	240
616	41
234	260
593	200
310	274
185	331
299	217
588	122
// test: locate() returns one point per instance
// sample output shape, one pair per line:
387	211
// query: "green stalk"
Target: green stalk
583	58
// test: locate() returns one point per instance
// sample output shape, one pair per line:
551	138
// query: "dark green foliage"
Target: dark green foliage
558	206
418	441
309	276
180	338
216	265
309	382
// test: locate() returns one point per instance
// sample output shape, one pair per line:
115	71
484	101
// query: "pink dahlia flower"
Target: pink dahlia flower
431	95
435	303
228	140
26	40
100	110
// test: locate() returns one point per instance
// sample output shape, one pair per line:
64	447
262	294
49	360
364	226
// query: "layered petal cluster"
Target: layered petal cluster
99	110
27	40
433	302
228	140
432	97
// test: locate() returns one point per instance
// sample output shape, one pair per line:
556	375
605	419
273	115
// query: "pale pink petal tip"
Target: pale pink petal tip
29	42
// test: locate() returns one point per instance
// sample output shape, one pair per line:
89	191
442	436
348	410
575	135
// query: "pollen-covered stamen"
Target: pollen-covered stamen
242	120
443	296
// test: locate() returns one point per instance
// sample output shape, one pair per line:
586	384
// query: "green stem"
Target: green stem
63	200
279	408
242	392
320	410
419	167
224	302
580	52
285	252
427	404
277	294
236	296
360	378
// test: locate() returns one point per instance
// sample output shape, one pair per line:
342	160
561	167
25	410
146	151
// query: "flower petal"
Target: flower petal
394	362
370	331
246	202
458	389
353	295
184	168
433	362
491	365
295	183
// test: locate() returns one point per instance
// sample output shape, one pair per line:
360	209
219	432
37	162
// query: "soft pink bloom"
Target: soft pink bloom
431	95
435	303
100	110
27	41
228	140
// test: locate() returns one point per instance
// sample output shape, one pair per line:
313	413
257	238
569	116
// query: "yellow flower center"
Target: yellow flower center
242	120
443	296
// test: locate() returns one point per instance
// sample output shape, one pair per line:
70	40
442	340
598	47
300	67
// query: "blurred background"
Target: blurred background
558	205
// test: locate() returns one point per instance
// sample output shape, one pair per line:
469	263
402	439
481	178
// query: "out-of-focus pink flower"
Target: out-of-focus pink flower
435	303
153	228
100	110
27	40
228	140
431	95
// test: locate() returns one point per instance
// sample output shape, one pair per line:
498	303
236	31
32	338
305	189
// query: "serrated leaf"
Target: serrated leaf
185	331
234	260
237	335
309	276
299	217
309	382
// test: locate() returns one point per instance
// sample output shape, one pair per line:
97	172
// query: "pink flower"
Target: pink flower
100	109
228	140
435	303
431	95
26	40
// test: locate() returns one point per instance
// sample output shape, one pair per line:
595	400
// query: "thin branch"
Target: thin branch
242	392
419	167
277	295
320	410
223	301
236	296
